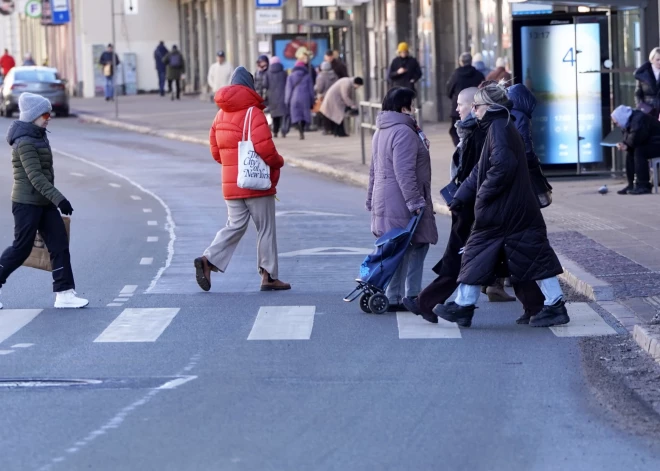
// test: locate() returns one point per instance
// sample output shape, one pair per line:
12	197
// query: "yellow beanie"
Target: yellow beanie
402	47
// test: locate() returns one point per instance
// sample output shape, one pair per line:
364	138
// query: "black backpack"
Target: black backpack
175	60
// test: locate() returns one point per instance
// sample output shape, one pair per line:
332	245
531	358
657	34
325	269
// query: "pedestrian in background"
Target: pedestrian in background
479	64
159	54
465	76
219	73
399	188
108	62
332	57
7	63
641	141
324	81
509	234
339	99
276	89
176	67
234	102
28	61
500	73
299	95
404	70
261	77
647	93
35	201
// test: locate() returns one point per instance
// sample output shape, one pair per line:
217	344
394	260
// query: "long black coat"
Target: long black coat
648	89
509	227
411	76
642	130
463	77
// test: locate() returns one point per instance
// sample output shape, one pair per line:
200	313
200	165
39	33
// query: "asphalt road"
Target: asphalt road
178	379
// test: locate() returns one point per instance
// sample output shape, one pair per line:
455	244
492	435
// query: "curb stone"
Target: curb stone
648	338
577	278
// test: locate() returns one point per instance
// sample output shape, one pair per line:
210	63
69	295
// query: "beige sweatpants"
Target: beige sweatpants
262	212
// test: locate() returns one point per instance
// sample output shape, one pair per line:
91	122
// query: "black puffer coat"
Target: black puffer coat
647	93
508	226
642	130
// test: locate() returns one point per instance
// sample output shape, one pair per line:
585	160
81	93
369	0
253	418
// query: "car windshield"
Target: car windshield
36	76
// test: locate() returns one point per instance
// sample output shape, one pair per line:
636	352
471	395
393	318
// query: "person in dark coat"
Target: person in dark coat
641	141
480	65
524	103
509	233
336	64
400	187
260	75
276	88
176	67
647	93
299	95
108	61
463	77
159	54
404	70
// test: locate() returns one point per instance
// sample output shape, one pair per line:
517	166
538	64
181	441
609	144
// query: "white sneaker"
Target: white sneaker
68	299
0	302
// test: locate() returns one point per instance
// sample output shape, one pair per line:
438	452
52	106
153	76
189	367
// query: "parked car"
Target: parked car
44	81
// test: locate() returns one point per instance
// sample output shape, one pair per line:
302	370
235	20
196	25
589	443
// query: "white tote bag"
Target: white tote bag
253	173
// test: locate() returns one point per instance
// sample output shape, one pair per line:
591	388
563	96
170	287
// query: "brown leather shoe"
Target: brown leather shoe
203	273
497	294
269	284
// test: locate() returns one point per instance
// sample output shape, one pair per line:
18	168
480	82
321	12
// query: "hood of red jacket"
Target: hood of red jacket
237	97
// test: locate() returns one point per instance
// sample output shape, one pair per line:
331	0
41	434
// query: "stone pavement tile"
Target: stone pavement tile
641	308
648	338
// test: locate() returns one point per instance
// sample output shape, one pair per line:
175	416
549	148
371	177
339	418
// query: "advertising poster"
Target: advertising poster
286	46
567	85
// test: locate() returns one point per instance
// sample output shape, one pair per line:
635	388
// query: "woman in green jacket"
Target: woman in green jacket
35	201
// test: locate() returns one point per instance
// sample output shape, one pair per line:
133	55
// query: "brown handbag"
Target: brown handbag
40	257
317	105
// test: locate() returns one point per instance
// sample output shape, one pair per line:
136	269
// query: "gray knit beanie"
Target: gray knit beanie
32	106
242	77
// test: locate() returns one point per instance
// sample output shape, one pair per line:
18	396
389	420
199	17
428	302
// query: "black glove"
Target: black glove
65	207
456	206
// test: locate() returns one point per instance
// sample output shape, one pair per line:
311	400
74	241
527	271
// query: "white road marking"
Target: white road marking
115	185
76	174
324	251
147	210
138	325
146	261
114	305
585	322
13	320
175	383
152	239
170	226
415	327
152	223
6	352
128	289
120	300
22	345
283	323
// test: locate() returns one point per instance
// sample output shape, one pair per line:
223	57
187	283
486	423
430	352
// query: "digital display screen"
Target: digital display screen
560	64
286	47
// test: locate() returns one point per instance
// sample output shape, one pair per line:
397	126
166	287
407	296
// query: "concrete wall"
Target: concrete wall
156	20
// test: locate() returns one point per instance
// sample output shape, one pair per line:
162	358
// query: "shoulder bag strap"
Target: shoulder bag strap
247	122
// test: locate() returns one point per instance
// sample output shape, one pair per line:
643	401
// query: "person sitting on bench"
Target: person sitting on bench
641	141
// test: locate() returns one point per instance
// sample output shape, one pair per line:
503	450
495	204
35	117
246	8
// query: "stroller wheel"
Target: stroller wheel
378	303
364	303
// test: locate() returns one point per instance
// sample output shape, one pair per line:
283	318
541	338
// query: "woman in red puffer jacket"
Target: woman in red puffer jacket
234	102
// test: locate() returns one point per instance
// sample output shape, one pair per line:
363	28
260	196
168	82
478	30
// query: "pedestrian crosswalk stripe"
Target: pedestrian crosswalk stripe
283	323
415	327
13	320
585	322
138	325
128	290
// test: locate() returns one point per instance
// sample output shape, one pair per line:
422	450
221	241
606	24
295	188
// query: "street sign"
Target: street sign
130	7
60	12
269	3
33	9
268	21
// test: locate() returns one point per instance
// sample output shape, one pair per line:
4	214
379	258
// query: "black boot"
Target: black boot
527	315
452	312
640	190
624	191
551	315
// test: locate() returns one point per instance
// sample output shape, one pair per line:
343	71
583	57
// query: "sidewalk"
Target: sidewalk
610	244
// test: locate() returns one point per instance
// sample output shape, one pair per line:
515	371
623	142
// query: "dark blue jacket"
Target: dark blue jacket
160	52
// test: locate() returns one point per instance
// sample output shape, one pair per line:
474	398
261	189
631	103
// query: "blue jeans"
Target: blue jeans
109	88
407	279
469	294
161	82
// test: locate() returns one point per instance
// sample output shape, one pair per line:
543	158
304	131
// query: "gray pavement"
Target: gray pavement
350	394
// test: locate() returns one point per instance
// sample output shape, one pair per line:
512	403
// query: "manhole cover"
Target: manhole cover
46	383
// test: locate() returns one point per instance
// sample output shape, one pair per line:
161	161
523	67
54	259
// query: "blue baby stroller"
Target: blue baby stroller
378	268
